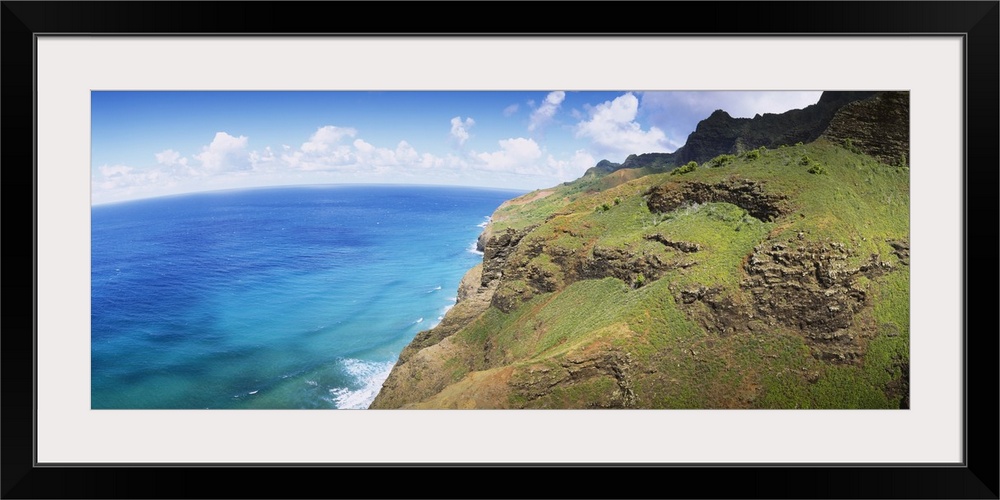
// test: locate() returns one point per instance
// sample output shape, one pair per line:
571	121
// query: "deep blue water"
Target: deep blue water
272	298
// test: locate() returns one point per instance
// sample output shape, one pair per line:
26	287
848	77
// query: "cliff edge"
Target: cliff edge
756	277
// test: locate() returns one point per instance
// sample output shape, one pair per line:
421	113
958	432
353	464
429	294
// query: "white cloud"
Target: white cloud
109	182
225	153
571	169
405	154
264	161
114	171
460	129
547	110
516	155
326	137
323	150
337	154
510	110
370	156
612	129
170	157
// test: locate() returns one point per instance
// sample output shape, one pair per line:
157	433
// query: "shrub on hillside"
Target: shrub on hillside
720	161
690	167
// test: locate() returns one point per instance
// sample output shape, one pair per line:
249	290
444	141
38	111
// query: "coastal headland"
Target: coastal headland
764	264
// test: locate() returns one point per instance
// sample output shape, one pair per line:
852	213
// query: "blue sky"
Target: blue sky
147	144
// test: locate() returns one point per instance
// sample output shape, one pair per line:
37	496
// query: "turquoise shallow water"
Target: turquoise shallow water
274	298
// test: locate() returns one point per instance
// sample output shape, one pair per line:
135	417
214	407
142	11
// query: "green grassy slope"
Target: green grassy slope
612	303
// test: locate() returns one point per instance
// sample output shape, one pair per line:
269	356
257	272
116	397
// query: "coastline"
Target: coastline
472	299
474	296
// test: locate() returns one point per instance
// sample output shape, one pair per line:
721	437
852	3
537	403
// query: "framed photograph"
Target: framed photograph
156	101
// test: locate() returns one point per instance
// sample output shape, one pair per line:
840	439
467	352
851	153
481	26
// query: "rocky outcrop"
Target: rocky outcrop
683	246
806	287
810	287
878	126
902	250
635	268
534	384
746	194
497	250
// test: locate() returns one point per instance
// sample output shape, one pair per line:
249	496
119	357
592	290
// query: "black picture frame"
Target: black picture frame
977	477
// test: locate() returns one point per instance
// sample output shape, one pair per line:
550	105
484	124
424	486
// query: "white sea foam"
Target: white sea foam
485	222
474	248
418	321
444	311
368	376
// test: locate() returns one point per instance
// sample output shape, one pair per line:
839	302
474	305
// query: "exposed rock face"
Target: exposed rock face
626	265
535	382
683	246
496	251
811	288
509	256
878	126
720	133
901	249
746	194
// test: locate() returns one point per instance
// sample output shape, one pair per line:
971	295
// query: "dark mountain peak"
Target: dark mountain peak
603	167
720	133
719	114
840	97
652	160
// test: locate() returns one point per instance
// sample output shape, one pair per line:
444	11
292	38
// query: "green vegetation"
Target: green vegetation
677	363
691	166
639	280
849	144
721	161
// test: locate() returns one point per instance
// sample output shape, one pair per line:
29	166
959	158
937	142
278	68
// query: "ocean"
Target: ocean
272	298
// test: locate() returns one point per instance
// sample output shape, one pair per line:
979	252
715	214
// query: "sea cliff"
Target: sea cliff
770	271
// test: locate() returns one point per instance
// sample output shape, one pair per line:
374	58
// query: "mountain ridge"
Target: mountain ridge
757	277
